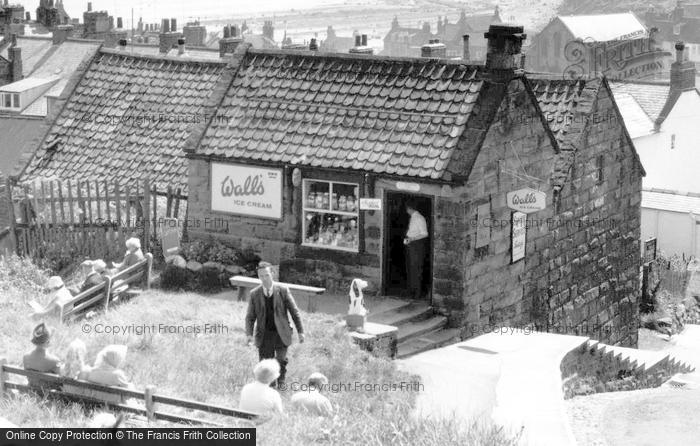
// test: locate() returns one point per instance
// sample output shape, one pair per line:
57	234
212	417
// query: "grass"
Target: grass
212	367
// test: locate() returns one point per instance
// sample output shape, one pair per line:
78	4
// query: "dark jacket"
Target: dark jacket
283	303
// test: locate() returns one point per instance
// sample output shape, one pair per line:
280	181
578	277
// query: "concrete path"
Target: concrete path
513	378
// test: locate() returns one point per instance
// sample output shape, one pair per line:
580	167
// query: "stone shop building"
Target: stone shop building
309	159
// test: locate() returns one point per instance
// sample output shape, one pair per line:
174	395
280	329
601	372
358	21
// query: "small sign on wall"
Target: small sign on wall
518	235
246	190
411	187
526	200
483	229
370	204
650	250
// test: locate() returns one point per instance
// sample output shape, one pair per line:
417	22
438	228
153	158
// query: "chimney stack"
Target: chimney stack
173	25
230	42
15	55
111	22
120	23
165	26
313	46
122	44
61	33
181	46
505	41
361	45
465	55
89	7
28	16
434	49
682	71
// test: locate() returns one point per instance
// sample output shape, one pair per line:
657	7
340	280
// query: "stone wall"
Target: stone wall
279	241
580	274
5	72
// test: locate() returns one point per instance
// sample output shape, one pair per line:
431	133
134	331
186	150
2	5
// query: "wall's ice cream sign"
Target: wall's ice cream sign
526	200
246	190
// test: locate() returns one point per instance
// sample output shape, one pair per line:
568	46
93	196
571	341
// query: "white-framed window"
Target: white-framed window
9	100
331	215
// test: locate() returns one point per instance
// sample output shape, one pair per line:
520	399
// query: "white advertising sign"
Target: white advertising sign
526	200
246	190
370	204
518	236
413	187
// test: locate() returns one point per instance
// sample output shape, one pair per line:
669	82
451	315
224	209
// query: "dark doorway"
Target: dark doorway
395	226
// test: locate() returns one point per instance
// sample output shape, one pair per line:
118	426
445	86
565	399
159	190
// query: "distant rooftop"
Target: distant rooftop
28	84
604	27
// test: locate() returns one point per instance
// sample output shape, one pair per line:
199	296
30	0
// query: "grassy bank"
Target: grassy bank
165	350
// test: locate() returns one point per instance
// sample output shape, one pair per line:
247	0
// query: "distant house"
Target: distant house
680	24
618	46
336	44
407	41
42	70
662	119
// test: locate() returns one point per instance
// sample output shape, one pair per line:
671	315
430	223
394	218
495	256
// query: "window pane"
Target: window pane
317	195
6	100
16	100
345	197
331	230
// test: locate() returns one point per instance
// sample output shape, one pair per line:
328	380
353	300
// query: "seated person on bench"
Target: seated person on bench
107	371
39	360
133	255
60	295
94	273
75	367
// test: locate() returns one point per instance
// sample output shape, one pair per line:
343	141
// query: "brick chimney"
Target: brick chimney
313	46
465	48
361	45
89	7
505	41
682	71
433	49
120	23
61	33
111	22
230	41
28	16
15	55
168	36
122	44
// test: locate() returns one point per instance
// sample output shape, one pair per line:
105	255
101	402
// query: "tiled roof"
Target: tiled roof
650	96
636	120
382	115
670	201
62	61
34	50
111	125
604	27
557	100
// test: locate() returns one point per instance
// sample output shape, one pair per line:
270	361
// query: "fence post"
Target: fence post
146	216
3	376
13	219
150	404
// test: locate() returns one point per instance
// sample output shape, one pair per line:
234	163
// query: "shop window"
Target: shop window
331	215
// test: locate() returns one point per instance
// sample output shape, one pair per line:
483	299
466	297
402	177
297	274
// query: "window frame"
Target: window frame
304	209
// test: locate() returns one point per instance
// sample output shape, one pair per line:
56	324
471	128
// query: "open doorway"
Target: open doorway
396	221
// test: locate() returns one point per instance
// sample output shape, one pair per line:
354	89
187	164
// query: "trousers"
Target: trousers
415	260
273	347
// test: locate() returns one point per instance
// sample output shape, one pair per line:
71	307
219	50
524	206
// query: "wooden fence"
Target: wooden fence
65	220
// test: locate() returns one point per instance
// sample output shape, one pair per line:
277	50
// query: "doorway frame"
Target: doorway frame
385	235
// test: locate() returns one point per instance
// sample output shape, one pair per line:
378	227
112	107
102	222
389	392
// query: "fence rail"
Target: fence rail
68	219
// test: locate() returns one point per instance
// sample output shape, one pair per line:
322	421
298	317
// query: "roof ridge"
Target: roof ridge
352	56
162	57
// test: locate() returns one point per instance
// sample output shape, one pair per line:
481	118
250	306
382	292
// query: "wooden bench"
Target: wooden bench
89	392
245	284
111	289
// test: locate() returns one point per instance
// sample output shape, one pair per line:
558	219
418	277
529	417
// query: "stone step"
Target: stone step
399	316
428	341
416	329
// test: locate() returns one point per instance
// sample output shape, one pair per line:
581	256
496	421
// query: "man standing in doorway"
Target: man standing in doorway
268	306
416	240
